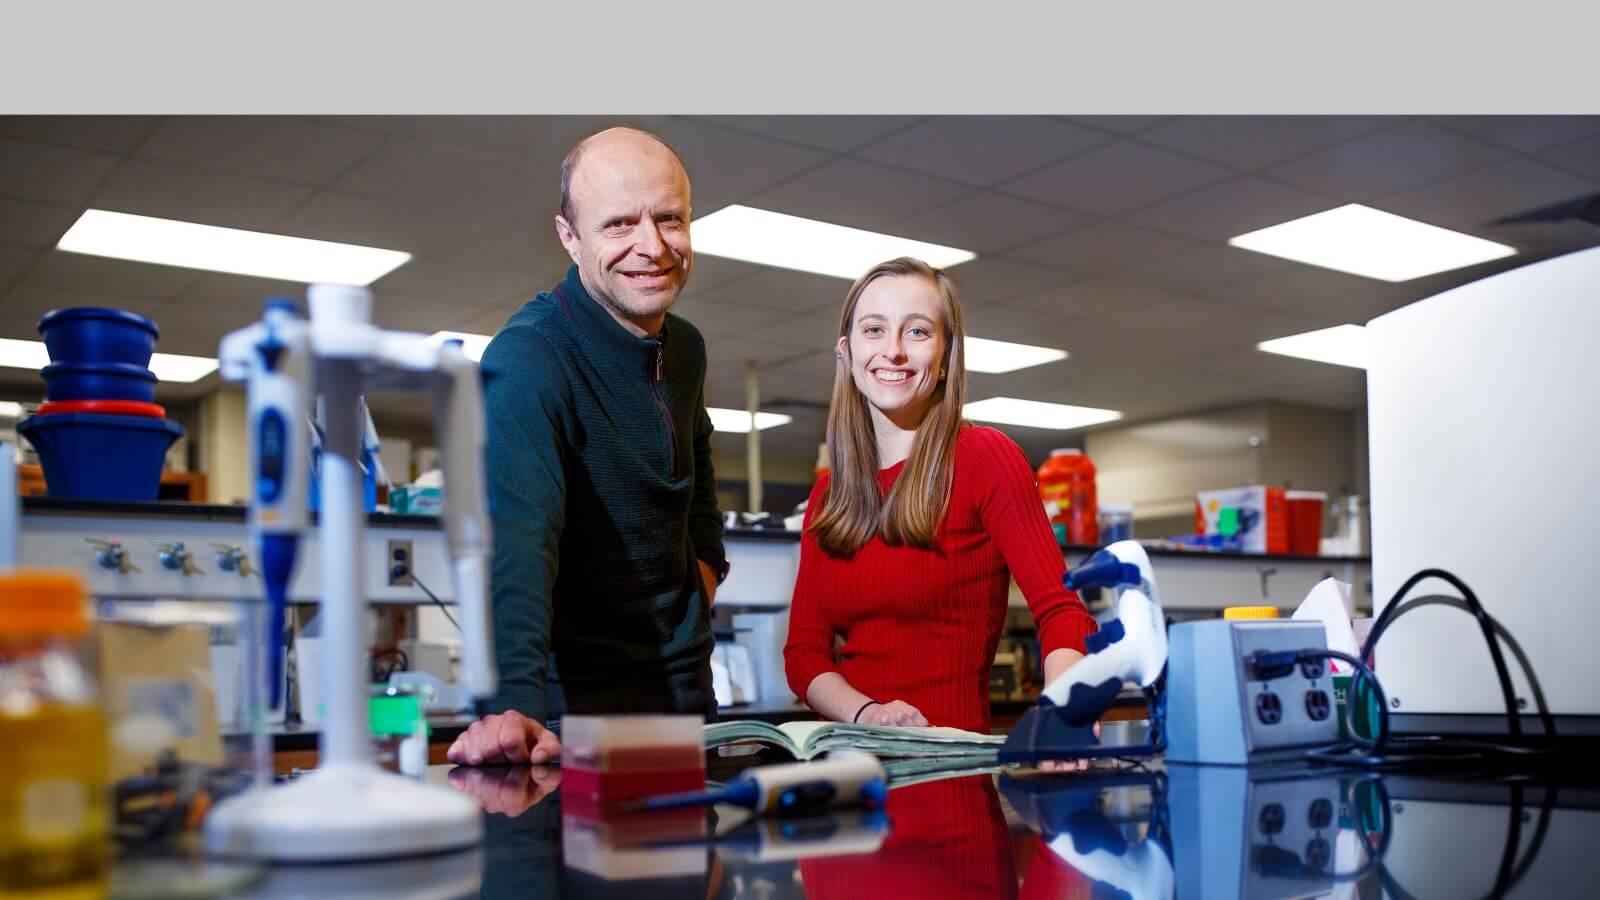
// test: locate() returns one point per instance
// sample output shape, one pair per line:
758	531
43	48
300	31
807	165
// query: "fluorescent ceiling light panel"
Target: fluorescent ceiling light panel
472	345
738	420
1372	243
996	357
169	242
1341	345
790	242
167	366
1034	414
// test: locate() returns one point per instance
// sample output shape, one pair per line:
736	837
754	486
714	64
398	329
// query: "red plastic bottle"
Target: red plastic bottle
1066	485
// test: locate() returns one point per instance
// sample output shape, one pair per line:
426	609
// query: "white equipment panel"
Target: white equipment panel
1484	407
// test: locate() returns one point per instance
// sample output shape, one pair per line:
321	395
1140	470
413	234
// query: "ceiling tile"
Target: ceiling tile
12	261
488	321
1232	208
718	321
1389	161
53	174
858	194
1525	133
109	134
1581	156
545	139
455	284
809	331
1116	178
60	270
1299	289
1251	142
988	279
237	300
1093	297
380	124
835	133
984	221
1119	124
725	359
782	290
1103	246
24	223
190	195
22	305
712	272
432	174
402	311
1003	322
982	150
371	222
1469	202
279	147
512	246
726	166
1208	267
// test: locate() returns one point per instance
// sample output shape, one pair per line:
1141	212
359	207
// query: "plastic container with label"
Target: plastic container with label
1066	485
1116	522
54	816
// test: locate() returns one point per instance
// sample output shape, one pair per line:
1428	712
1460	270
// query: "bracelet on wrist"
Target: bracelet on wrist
856	720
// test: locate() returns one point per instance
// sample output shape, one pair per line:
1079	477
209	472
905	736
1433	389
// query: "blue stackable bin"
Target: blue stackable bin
92	456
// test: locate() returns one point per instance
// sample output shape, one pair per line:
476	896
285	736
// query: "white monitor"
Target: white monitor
1484	423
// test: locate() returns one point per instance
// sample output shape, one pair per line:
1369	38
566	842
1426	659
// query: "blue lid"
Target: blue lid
98	368
286	304
78	313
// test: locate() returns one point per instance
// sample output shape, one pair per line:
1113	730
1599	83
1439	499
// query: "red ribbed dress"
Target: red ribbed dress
922	625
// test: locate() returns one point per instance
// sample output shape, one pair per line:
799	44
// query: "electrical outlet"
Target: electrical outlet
400	555
1220	711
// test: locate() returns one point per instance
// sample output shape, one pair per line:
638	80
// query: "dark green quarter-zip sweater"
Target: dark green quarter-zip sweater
602	498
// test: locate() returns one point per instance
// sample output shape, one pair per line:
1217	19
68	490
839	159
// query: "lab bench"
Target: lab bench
295	746
1157	832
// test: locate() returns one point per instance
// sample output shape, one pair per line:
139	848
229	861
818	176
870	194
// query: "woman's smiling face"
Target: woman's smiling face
897	346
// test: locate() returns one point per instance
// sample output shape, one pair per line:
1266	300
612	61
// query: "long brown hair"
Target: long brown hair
853	507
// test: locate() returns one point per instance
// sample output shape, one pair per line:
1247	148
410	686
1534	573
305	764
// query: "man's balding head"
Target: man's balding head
621	137
625	222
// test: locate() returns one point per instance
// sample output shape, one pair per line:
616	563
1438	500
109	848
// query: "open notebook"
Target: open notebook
804	740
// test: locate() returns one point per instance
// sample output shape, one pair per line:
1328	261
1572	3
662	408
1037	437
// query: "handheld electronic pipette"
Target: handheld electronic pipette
1132	648
279	378
842	778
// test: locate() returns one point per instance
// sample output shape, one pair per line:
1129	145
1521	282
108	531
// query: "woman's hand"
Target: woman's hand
895	712
1067	765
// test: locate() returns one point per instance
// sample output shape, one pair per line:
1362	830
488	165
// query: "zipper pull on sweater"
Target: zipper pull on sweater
661	369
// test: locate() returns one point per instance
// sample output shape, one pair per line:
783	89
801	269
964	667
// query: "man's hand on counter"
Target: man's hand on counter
509	737
708	576
508	792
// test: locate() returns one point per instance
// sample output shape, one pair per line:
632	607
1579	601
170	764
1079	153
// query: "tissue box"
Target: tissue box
409	499
1258	517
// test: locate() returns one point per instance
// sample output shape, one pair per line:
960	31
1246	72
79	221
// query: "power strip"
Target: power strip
1221	711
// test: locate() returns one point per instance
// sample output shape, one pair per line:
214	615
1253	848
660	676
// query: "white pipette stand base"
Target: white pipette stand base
343	813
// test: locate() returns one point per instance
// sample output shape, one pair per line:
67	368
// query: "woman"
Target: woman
911	543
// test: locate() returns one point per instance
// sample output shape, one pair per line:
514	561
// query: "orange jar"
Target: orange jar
1066	485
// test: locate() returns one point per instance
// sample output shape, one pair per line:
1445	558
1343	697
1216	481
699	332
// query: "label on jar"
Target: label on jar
54	810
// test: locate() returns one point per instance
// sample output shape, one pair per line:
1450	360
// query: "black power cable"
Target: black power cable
1269	665
401	570
1392	612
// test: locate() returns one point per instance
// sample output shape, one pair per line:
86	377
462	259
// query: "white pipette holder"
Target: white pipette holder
348	808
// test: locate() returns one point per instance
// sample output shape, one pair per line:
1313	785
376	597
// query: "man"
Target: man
607	538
